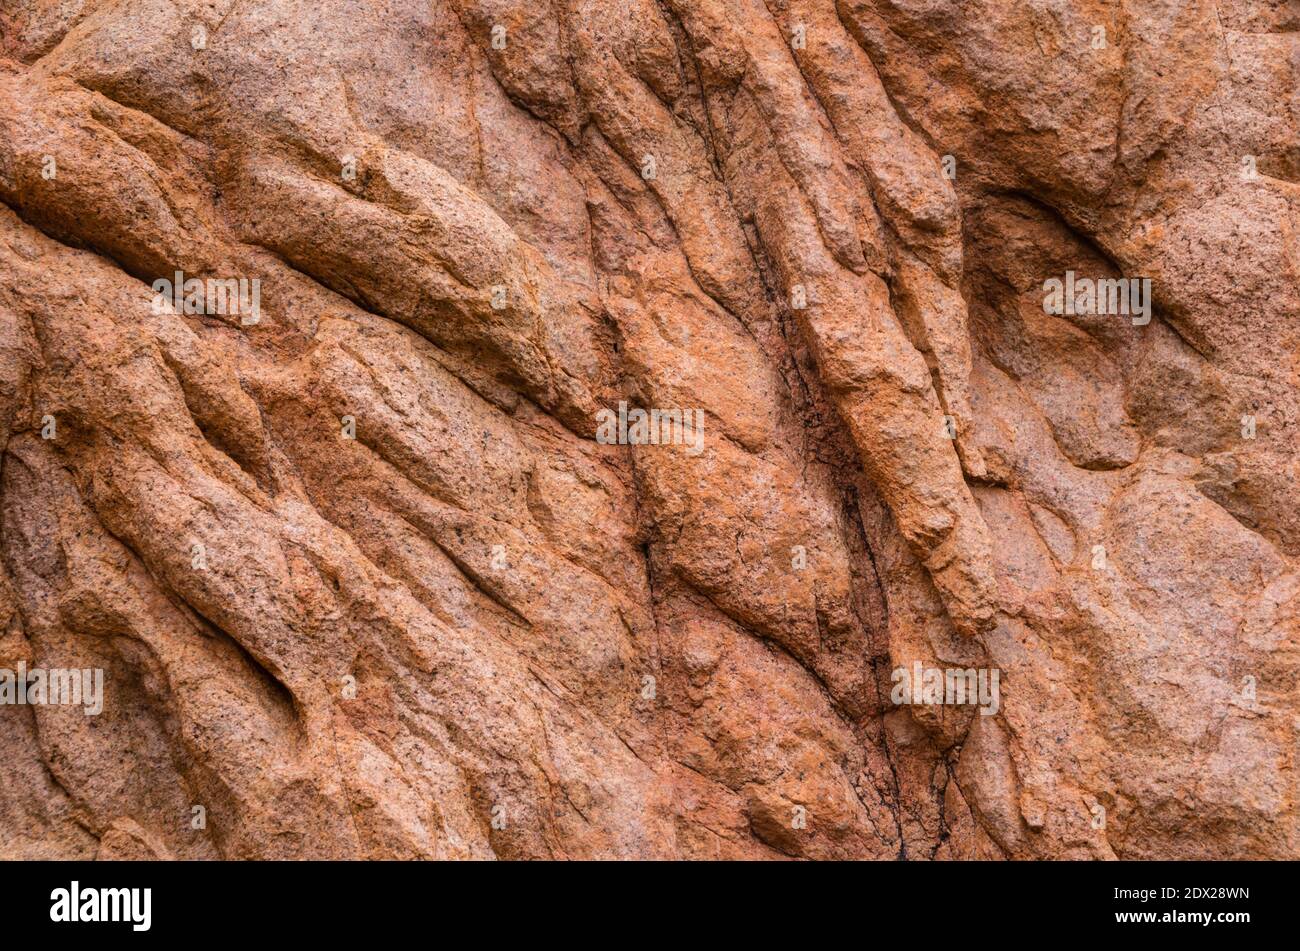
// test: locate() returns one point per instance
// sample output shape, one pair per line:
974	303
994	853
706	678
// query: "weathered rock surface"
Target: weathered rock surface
364	582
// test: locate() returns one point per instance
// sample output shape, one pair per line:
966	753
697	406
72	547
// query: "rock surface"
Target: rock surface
363	578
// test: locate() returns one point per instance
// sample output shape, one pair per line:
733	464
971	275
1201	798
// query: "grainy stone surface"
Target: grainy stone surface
364	579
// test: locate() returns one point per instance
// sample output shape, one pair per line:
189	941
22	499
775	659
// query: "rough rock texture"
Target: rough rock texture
476	631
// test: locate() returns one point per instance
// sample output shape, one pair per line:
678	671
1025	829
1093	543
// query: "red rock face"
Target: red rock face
970	332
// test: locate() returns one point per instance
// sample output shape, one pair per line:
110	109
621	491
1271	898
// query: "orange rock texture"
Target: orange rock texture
327	334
